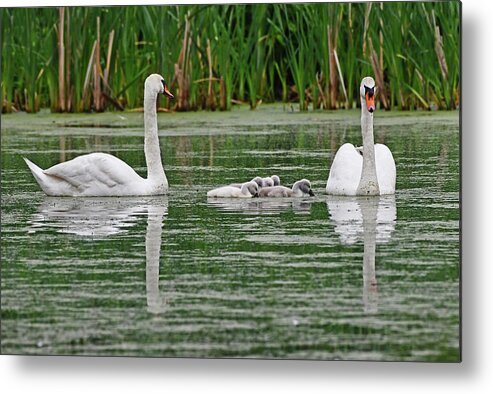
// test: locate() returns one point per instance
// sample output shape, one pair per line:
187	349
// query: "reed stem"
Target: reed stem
223	54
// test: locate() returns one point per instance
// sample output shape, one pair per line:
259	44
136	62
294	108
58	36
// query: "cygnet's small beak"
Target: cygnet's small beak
256	194
311	193
167	92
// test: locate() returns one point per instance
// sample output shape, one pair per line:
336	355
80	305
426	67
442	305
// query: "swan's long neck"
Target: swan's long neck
368	184
155	170
155	217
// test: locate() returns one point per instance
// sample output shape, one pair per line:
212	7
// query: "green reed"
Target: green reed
96	58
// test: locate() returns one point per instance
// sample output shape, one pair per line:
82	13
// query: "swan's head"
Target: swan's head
251	187
258	181
276	180
367	91
267	182
305	186
155	84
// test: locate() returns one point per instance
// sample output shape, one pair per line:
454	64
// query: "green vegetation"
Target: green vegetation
75	59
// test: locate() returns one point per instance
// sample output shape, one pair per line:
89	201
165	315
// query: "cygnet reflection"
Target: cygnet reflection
261	206
100	218
368	219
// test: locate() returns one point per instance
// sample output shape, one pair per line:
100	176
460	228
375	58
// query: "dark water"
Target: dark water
318	278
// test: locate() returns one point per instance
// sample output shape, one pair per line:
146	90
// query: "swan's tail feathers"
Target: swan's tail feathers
37	173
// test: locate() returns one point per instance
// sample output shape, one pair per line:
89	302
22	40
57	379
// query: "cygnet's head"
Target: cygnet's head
276	180
258	181
250	187
155	84
305	186
267	182
367	91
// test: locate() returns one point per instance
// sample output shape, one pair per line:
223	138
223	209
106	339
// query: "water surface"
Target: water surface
180	276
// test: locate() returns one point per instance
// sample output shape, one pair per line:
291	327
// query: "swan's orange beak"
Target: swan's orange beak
370	101
167	92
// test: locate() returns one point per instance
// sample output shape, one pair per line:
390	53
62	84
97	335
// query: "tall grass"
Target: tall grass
96	58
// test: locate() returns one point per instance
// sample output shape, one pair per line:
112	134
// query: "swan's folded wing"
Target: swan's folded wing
94	169
386	172
345	171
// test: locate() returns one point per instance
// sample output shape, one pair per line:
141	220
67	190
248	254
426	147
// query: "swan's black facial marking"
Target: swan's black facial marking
166	92
370	92
370	98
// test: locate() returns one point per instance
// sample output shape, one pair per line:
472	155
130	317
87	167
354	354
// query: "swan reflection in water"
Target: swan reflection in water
368	219
264	206
101	218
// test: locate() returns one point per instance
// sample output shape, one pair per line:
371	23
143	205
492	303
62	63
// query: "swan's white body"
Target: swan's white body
95	174
101	174
346	169
370	171
247	190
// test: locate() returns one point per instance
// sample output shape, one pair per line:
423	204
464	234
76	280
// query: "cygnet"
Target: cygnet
301	188
247	190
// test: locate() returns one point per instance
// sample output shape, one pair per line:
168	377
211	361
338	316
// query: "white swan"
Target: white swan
367	172
300	189
247	190
101	174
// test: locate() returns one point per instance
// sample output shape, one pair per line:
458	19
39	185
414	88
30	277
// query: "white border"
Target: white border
88	375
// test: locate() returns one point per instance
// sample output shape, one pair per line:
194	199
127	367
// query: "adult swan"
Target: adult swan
101	174
370	171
